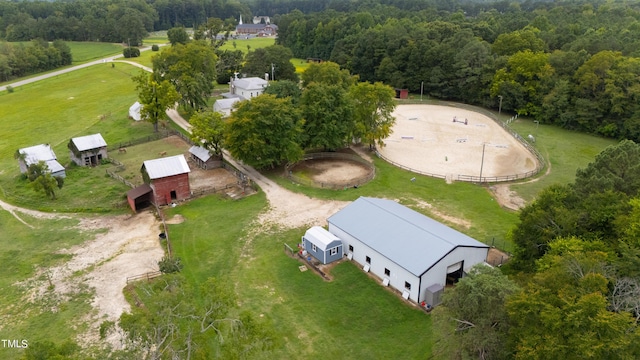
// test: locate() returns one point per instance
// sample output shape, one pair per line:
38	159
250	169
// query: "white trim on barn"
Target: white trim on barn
415	250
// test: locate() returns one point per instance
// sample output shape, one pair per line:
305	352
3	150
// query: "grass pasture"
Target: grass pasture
87	101
84	51
26	252
136	155
350	317
245	45
566	150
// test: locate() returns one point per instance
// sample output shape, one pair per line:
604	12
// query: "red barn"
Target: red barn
168	178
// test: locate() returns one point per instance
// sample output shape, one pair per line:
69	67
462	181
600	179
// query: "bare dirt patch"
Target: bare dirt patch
426	138
332	171
497	257
200	179
125	246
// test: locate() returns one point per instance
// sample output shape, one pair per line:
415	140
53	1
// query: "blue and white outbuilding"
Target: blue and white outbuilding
407	250
322	245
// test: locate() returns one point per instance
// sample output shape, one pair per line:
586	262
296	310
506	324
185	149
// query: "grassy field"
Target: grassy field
87	101
248	44
26	252
463	206
135	155
156	37
87	51
349	317
300	64
565	150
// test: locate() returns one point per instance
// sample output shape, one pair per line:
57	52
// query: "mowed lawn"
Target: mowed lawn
87	51
565	150
351	317
52	111
246	45
466	207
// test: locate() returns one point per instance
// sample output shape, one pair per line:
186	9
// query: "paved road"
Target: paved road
74	68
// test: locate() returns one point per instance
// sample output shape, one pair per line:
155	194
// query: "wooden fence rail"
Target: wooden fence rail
146	276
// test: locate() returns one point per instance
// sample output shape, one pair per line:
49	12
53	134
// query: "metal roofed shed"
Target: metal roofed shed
168	178
411	249
168	166
43	152
88	150
323	245
203	158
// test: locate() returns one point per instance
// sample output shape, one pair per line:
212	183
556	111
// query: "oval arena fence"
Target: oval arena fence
540	161
355	182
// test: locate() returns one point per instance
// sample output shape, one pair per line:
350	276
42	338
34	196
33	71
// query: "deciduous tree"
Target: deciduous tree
191	68
155	97
472	321
207	129
328	115
373	105
265	131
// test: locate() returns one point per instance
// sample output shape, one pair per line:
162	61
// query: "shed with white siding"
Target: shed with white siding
407	250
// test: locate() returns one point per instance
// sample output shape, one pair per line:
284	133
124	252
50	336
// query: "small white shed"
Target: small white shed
322	245
134	111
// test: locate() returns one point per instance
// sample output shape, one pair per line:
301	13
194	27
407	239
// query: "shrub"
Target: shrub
170	265
130	52
155	47
9	89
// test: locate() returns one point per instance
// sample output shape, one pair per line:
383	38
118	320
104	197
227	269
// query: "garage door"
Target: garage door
454	267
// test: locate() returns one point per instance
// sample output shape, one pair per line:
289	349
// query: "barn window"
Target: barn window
407	285
351	248
387	272
314	248
334	251
368	260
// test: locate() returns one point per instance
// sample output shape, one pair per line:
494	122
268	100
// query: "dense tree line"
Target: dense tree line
573	64
575	289
18	60
108	20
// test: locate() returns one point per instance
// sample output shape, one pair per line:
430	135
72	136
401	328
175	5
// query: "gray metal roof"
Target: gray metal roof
54	166
200	152
37	153
406	237
89	142
168	166
222	104
251	83
323	238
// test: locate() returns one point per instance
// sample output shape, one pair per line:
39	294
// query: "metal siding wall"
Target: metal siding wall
438	273
378	263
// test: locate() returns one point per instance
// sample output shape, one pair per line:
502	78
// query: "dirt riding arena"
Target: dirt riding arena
450	141
337	172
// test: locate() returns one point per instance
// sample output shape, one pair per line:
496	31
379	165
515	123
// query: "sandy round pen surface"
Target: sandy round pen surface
450	141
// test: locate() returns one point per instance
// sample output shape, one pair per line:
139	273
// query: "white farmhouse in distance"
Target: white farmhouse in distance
240	89
246	88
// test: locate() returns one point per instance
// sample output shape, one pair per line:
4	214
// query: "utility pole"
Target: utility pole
421	89
500	106
272	67
482	162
